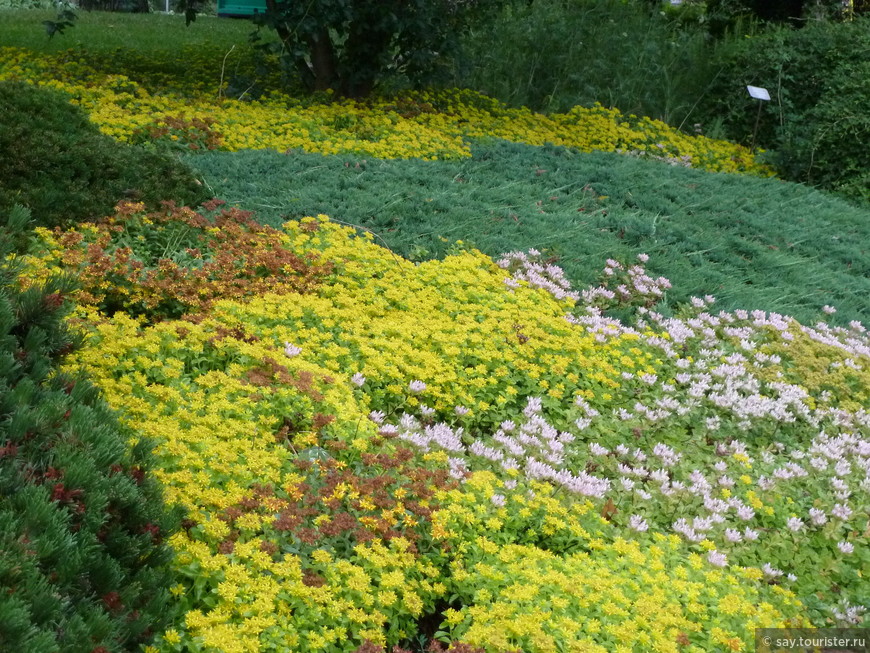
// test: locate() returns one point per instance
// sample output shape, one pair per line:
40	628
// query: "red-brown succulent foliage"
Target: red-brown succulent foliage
382	496
177	261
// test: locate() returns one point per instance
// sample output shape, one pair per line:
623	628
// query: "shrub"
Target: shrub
56	162
816	121
82	524
350	47
830	144
135	6
654	66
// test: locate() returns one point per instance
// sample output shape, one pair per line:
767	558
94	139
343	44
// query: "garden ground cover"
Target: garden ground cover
357	476
376	451
206	114
754	243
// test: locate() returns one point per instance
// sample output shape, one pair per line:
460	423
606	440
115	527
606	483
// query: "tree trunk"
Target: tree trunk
363	58
322	60
318	73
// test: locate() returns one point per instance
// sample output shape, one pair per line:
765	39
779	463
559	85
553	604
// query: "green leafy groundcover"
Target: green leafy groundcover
471	451
754	243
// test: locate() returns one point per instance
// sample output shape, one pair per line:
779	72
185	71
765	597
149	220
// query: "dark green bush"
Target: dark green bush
551	55
816	123
54	161
832	148
83	564
724	15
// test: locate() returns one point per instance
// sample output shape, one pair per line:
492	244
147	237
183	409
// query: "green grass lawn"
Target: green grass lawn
99	31
753	243
156	50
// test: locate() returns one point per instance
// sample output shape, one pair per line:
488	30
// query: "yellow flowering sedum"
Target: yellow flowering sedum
426	125
557	586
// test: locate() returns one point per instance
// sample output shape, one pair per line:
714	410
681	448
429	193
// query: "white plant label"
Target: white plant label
758	93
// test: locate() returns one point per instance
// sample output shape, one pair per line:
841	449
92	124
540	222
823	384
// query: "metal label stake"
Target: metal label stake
762	96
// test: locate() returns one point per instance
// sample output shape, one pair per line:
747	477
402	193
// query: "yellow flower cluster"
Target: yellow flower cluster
377	321
418	125
259	603
565	581
213	413
489	348
467	517
829	374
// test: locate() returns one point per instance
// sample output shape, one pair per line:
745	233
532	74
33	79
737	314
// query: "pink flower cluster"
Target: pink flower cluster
532	269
